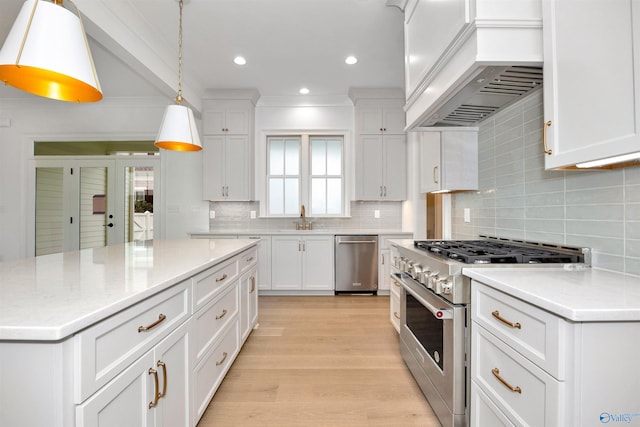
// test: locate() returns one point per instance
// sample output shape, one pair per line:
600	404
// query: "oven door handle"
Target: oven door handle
439	313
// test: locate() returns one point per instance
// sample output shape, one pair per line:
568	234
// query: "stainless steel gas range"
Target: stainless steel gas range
434	308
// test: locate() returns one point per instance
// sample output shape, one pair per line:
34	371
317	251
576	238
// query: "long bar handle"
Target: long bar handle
161	317
352	242
435	174
253	284
496	373
547	150
154	402
164	376
514	325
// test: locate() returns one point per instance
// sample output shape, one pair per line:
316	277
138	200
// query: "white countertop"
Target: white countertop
581	295
53	296
329	232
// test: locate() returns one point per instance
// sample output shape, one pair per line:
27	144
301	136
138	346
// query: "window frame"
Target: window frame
262	181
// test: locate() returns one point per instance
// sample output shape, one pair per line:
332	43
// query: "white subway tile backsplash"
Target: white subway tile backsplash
518	198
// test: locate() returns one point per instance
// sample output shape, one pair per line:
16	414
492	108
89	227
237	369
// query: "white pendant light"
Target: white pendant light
47	53
178	130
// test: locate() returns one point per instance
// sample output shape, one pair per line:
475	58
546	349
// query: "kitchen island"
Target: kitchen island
130	334
554	346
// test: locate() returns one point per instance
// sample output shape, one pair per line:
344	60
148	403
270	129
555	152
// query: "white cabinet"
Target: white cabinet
385	259
591	80
449	159
532	367
264	261
302	263
381	150
248	302
153	391
228	150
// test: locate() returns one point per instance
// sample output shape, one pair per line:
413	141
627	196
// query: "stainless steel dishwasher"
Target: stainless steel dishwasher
356	264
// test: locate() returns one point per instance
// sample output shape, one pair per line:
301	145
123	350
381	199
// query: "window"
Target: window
305	170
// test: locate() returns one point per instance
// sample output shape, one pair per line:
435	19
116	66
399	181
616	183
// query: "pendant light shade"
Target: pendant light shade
178	130
46	53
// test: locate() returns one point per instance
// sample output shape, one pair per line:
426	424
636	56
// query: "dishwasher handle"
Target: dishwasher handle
351	242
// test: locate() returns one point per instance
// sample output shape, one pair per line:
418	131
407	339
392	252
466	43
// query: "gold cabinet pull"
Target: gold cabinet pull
514	325
154	402
224	313
164	376
496	373
547	150
397	316
249	259
221	361
397	284
221	278
253	284
161	317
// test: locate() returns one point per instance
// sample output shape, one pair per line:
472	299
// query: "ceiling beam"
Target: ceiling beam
122	31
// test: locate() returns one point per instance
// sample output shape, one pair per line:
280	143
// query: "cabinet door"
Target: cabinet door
371	164
213	167
393	120
286	262
174	407
237	167
237	120
384	270
230	118
248	302
318	263
395	167
214	121
264	261
591	79
370	121
429	162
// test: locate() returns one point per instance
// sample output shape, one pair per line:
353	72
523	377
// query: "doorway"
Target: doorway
82	203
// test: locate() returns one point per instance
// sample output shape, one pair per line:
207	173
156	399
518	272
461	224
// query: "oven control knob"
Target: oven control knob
408	266
424	276
431	280
447	287
416	271
441	284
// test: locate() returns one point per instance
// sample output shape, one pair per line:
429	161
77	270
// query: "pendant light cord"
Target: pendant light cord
179	97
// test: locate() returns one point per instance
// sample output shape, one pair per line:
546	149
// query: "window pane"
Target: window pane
318	196
276	156
334	196
291	196
334	157
318	157
276	196
292	161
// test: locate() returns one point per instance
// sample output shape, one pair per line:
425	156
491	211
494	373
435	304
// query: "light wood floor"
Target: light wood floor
320	361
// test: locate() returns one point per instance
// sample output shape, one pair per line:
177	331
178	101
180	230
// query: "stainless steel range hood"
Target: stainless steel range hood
490	89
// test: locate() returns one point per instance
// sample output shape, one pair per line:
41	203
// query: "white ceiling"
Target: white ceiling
288	44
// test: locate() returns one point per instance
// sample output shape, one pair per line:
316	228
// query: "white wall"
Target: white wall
27	119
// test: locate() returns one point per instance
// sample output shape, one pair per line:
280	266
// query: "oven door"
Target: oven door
433	337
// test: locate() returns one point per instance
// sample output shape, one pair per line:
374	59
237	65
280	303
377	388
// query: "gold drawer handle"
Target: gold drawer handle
221	278
224	313
496	373
163	365
249	259
253	285
397	316
515	325
161	317
547	150
154	402
224	357
397	284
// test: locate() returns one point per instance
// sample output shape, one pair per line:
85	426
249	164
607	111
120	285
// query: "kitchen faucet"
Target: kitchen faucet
304	225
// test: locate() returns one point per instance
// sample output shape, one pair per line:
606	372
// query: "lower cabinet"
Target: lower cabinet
302	263
248	302
153	391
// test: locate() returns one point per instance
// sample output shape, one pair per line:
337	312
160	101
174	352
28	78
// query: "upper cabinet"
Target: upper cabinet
448	159
453	48
228	146
591	80
380	146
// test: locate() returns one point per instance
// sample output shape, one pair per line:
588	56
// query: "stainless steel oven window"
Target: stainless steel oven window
427	329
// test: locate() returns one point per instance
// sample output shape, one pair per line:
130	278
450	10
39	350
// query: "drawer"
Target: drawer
484	412
538	401
248	259
107	348
395	288
210	372
212	281
394	308
541	337
213	318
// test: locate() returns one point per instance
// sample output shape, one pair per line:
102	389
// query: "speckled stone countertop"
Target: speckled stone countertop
53	296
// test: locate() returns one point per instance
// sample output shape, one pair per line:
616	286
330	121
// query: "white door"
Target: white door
84	203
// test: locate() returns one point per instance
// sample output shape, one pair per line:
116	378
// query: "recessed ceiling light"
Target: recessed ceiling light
351	60
239	60
304	91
